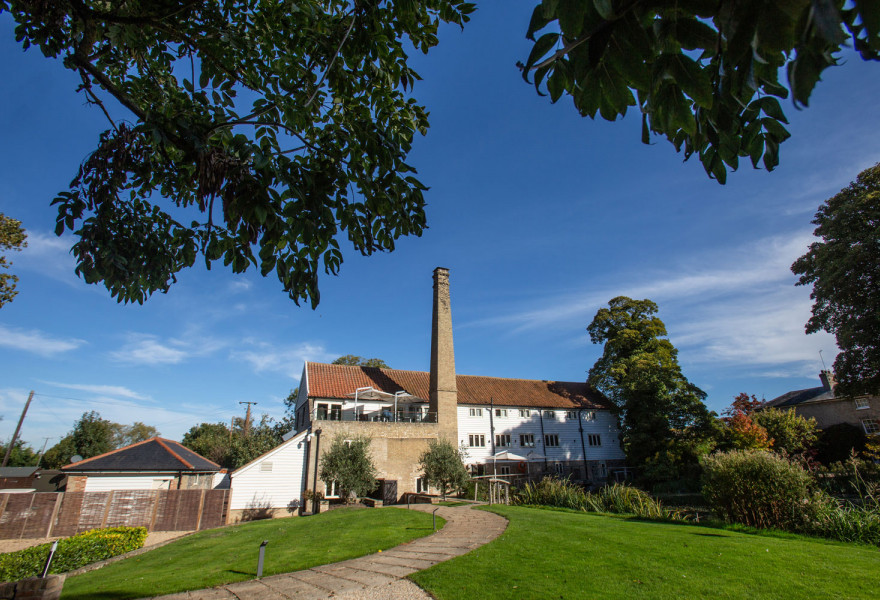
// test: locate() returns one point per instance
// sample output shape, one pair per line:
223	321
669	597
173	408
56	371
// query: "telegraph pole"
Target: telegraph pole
247	418
17	429
43	451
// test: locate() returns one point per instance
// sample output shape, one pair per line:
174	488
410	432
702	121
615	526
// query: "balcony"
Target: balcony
337	413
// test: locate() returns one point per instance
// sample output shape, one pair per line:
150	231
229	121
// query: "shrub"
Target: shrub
617	498
443	466
790	432
759	489
72	553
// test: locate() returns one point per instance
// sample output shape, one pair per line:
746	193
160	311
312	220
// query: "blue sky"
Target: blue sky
541	216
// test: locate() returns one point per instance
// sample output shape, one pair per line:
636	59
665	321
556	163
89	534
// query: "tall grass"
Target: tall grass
616	498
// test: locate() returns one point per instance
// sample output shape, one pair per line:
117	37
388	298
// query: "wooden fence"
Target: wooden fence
61	514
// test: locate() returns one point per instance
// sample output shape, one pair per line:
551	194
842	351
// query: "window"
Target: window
329	412
861	403
603	471
525	412
421	485
549	414
589	415
332	490
475	412
559	468
594	439
551	440
500	412
266	466
527	440
504	470
502	440
870	426
477	440
571	414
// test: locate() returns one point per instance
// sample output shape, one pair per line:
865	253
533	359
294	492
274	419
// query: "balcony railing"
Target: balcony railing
378	416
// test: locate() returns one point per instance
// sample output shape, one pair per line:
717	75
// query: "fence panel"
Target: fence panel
131	508
214	510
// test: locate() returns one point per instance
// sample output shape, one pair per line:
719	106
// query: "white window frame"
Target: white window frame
475	412
525	412
870	426
559	468
594	440
502	440
551	440
550	414
589	415
504	470
527	440
421	485
476	440
861	403
332	490
500	412
571	414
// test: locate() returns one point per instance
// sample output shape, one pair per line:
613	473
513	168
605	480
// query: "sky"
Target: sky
541	216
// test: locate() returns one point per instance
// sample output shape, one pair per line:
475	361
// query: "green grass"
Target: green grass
562	554
452	503
229	554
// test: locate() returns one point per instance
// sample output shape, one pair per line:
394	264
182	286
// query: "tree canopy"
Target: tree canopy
12	237
232	448
844	270
704	74
639	372
348	463
91	435
256	133
357	361
443	466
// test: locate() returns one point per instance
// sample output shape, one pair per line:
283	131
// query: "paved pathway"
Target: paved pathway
382	572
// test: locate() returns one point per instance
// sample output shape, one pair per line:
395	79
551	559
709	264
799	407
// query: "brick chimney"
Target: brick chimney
443	393
827	378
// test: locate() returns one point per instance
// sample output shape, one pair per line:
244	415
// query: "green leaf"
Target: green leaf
605	8
869	11
691	78
571	17
544	44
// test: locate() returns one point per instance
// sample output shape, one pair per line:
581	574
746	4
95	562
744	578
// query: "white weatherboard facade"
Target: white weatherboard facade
532	430
157	481
274	481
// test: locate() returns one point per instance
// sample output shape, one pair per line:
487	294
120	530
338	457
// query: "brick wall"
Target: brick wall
50	514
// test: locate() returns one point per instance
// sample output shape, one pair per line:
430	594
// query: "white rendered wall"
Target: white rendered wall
132	482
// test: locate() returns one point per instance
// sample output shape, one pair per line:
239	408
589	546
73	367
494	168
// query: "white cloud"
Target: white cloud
737	307
36	342
145	349
49	255
287	360
114	391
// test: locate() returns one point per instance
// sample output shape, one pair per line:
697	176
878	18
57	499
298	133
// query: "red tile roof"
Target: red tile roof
338	381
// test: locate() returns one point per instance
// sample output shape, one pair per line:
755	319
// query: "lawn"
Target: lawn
554	554
229	554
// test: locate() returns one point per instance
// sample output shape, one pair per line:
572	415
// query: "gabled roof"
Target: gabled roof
294	439
338	381
154	454
793	398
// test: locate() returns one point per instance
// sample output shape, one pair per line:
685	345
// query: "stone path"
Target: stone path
376	575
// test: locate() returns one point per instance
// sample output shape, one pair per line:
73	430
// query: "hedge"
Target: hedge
72	553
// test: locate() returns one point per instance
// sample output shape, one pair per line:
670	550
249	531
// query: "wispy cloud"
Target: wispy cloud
738	307
36	342
287	360
113	391
149	349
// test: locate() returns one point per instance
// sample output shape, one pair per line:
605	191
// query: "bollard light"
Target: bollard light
49	559
434	514
262	556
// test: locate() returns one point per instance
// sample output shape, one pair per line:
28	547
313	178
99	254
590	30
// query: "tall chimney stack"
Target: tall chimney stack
444	396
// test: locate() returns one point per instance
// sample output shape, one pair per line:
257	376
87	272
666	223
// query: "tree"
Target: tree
704	74
259	440
125	435
741	431
348	463
790	432
639	372
21	455
443	466
357	361
294	118
211	440
12	237
91	435
844	270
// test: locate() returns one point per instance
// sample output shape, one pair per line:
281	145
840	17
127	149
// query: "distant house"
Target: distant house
154	464
822	404
32	479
